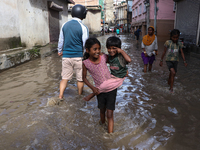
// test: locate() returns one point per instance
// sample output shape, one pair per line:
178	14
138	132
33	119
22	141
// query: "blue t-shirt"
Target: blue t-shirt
137	33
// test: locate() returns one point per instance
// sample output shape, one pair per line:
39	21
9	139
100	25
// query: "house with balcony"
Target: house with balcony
146	12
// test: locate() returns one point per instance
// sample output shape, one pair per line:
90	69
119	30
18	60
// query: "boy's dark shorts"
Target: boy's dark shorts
107	100
172	64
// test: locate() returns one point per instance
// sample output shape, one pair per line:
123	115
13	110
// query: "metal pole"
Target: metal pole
198	29
155	17
147	19
103	19
175	15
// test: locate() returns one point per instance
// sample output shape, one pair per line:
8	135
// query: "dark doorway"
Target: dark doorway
53	25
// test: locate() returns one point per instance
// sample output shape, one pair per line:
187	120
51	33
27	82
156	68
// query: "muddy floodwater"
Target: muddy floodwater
147	116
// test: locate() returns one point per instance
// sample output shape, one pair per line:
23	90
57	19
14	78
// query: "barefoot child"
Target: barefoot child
172	48
96	65
150	47
117	59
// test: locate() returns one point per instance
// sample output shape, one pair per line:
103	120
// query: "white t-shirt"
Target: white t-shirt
149	49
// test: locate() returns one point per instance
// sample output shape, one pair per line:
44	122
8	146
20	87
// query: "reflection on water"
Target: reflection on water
147	116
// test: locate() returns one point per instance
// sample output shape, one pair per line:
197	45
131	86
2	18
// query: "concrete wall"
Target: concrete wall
33	22
86	2
187	15
165	9
27	21
165	17
109	9
93	21
136	16
9	24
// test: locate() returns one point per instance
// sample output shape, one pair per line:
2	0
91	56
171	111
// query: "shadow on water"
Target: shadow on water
147	116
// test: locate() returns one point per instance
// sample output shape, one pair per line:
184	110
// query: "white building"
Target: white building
29	23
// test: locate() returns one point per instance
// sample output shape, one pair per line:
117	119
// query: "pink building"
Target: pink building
143	12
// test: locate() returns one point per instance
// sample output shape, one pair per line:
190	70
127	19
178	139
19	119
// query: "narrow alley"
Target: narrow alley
147	115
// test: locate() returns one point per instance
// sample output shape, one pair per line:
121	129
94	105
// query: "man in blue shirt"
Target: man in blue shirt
73	35
137	34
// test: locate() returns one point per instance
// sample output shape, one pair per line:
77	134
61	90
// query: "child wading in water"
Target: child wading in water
172	48
150	47
106	84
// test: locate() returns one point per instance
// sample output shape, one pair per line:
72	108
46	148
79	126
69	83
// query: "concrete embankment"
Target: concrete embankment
12	57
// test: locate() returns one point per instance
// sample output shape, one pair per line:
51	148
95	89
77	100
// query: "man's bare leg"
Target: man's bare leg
80	87
63	85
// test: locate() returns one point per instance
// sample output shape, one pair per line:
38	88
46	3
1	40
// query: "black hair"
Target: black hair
88	44
174	32
151	28
113	41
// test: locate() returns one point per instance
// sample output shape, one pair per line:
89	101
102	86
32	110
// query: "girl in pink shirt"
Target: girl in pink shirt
105	84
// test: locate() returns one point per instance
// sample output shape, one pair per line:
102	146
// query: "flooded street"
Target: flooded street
147	115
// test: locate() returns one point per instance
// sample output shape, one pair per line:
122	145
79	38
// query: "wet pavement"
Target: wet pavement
147	116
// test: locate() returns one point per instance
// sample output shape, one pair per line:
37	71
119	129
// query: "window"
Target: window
145	9
140	9
174	8
133	13
136	12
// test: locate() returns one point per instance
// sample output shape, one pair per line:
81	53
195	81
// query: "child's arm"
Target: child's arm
126	57
161	60
94	89
156	47
182	54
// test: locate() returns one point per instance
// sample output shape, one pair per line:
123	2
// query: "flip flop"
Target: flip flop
61	99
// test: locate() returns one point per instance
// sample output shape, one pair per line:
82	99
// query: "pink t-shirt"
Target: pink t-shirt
99	72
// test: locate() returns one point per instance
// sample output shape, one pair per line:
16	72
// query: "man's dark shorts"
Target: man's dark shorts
172	64
107	100
137	37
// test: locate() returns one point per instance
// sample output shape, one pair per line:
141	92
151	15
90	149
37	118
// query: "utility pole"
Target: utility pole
147	4
103	18
155	16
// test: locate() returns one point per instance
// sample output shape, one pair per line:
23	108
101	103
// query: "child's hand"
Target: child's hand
185	64
119	50
95	91
155	53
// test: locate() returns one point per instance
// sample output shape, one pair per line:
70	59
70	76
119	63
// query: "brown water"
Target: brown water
147	116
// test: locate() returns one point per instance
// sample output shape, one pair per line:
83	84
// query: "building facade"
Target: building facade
121	16
31	23
188	20
143	15
93	17
109	12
